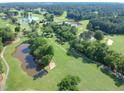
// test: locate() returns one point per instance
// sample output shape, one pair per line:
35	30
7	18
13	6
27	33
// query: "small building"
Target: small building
72	23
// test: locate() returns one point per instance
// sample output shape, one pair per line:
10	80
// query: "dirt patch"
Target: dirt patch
1	77
2	80
16	41
28	64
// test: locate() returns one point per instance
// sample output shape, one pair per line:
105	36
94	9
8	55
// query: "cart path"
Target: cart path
7	68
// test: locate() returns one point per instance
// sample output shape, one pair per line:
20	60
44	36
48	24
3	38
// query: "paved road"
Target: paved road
7	66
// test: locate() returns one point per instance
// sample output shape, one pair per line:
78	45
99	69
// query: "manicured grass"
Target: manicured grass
61	18
26	26
118	44
6	23
83	26
91	76
40	16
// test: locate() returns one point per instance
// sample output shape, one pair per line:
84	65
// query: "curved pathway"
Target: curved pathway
7	68
5	62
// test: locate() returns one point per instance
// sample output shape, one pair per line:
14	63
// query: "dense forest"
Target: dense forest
112	25
75	10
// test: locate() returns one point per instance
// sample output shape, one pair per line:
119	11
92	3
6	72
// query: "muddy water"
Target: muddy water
27	62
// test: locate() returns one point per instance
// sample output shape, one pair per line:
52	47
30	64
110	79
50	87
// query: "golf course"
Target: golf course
21	71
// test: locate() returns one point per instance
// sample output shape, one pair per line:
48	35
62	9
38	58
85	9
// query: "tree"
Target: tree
87	35
47	31
1	44
49	17
14	20
1	67
50	50
46	60
6	34
90	27
64	32
17	28
42	51
110	25
31	34
99	52
69	83
99	35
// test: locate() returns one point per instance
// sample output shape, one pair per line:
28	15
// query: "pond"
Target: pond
22	53
27	60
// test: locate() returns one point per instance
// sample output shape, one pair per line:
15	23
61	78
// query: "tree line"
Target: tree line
6	35
83	11
110	25
99	52
76	11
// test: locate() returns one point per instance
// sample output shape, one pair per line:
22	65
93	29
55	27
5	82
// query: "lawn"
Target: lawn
91	76
118	44
6	23
61	18
40	16
83	26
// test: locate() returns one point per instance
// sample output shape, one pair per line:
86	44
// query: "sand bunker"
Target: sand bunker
109	42
52	65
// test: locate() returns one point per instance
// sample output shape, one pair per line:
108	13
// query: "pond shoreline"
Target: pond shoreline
21	53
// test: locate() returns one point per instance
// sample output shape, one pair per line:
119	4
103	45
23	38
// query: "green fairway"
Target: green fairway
117	43
83	26
6	23
91	76
40	16
61	18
